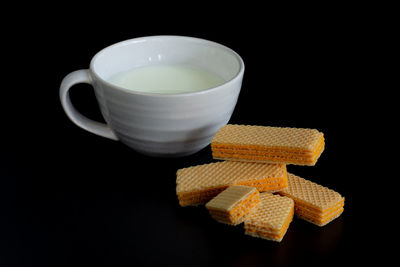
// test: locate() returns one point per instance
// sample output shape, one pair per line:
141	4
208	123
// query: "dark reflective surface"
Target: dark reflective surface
69	198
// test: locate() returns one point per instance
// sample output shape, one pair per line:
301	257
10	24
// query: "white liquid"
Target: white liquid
167	79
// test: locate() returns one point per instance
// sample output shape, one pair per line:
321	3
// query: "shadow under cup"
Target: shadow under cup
168	125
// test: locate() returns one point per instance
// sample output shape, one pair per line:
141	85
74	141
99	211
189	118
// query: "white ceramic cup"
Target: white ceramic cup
155	124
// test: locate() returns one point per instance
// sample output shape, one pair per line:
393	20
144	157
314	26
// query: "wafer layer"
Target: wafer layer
232	204
313	202
268	144
199	184
270	219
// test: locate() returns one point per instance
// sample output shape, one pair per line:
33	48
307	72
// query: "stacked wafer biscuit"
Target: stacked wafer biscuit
233	204
255	161
271	218
199	184
268	144
314	203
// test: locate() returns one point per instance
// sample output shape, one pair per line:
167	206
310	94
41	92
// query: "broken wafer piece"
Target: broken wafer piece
268	144
199	184
231	205
313	202
270	219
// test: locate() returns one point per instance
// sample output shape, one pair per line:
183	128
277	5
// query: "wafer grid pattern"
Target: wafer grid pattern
231	197
297	139
226	172
314	203
271	212
268	144
256	156
271	218
235	215
199	184
315	195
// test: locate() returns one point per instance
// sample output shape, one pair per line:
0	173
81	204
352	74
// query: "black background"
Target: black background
70	198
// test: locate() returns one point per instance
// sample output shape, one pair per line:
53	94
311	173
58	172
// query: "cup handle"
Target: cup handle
81	76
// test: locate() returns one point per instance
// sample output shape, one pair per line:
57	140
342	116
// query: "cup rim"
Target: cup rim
138	39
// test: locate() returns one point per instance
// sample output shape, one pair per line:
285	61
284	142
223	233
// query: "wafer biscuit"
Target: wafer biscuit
268	144
313	202
270	219
199	184
231	205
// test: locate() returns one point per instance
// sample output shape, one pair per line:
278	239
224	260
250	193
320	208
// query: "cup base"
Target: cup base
167	149
168	155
